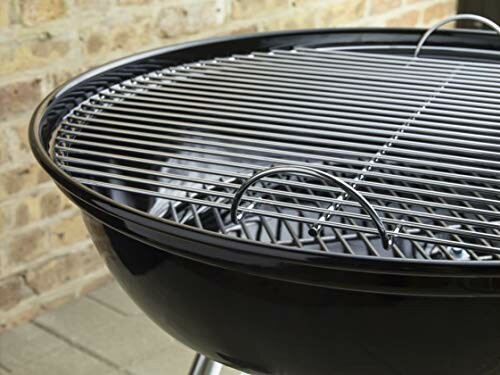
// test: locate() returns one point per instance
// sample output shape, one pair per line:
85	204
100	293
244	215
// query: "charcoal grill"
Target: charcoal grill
301	202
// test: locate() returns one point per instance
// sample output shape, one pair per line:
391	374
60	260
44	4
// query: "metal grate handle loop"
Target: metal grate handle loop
472	17
235	217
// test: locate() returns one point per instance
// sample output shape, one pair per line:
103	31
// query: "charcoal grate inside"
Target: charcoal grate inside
417	137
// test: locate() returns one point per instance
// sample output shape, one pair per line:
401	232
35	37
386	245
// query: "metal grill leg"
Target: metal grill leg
204	366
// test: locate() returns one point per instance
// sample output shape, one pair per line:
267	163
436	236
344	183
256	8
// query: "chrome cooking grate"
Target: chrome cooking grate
417	137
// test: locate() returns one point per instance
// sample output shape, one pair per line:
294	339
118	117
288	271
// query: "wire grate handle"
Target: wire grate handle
235	217
471	17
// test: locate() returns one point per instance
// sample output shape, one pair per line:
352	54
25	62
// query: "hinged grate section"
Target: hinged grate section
418	138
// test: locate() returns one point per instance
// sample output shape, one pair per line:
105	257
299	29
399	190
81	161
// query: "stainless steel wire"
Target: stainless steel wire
417	137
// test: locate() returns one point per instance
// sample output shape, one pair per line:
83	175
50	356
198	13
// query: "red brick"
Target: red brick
94	5
19	97
10	292
34	51
5	219
67	231
384	6
438	11
95	43
21	178
244	30
11	321
37	11
24	248
97	282
4	13
134	2
4	146
340	14
247	9
50	203
177	20
406	19
61	270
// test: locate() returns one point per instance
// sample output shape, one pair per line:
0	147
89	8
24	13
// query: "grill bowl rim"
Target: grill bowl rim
362	264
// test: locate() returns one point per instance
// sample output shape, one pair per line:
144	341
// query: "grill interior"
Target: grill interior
417	137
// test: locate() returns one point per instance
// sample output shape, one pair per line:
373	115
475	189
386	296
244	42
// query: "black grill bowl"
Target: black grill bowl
267	309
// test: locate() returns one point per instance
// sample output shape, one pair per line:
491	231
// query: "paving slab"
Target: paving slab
175	360
125	342
113	296
26	344
102	334
120	339
64	361
31	350
229	371
82	316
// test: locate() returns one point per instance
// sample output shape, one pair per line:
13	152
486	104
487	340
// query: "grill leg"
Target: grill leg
204	366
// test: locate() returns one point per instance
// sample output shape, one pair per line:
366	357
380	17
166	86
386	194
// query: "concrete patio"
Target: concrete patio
103	333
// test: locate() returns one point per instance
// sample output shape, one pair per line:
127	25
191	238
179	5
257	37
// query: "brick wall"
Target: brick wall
46	257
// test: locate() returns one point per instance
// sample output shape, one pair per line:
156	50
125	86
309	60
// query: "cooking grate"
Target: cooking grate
417	137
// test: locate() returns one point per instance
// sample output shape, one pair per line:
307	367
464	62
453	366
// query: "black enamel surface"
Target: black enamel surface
266	326
272	310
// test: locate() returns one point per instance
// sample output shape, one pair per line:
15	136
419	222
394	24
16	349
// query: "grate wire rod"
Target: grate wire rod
188	135
226	184
251	107
284	87
352	131
324	151
191	139
148	93
325	60
333	61
260	75
365	116
220	194
253	167
403	60
445	151
375	159
327	79
240	165
482	248
349	69
378	79
260	158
